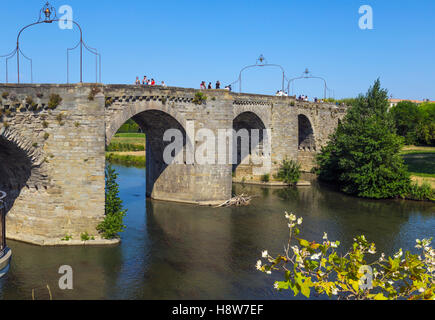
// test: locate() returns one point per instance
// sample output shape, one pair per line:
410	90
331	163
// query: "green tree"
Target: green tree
407	117
129	127
112	224
362	156
425	130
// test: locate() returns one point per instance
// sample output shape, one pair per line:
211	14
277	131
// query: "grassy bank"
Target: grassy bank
421	164
127	149
134	139
128	159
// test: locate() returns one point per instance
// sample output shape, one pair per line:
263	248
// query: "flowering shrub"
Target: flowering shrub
310	265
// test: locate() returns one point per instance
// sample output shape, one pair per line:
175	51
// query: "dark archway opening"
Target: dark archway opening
305	134
15	170
244	124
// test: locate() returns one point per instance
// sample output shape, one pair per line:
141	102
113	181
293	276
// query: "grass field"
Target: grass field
421	164
122	142
129	138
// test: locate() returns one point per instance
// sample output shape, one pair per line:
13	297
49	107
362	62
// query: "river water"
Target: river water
179	251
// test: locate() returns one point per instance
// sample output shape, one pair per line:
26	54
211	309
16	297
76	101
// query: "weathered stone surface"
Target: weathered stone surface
52	160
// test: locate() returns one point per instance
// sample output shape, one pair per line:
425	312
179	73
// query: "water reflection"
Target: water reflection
178	251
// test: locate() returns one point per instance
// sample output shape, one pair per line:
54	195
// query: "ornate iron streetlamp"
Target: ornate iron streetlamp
5	252
48	15
307	75
261	62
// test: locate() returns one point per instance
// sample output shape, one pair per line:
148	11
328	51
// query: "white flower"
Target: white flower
275	285
334	244
372	251
258	265
290	216
269	272
398	254
382	258
315	256
421	290
325	236
334	291
300	221
264	254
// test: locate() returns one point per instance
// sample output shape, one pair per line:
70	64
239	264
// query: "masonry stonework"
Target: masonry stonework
52	158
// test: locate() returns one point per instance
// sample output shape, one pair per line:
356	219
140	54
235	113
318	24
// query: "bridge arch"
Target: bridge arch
115	118
21	165
306	136
154	119
247	121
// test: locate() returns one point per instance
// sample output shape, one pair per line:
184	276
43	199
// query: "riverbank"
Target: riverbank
127	149
129	159
421	164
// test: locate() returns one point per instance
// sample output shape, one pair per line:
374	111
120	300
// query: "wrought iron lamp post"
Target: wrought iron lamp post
307	75
5	252
48	15
261	62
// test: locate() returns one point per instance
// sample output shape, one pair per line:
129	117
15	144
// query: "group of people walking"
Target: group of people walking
203	86
305	98
148	82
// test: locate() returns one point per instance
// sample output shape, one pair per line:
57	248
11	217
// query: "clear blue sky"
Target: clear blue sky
185	42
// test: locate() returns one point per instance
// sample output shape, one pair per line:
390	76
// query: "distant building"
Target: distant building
394	102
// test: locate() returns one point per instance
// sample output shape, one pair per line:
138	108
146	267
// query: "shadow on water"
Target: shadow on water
179	251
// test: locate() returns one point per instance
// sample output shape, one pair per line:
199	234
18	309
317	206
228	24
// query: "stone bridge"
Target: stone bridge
53	139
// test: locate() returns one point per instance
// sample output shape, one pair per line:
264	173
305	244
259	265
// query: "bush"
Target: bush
54	101
85	236
363	154
289	172
265	177
67	237
112	224
421	193
199	98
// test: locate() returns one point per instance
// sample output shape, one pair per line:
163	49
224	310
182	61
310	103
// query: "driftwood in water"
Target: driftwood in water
237	201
